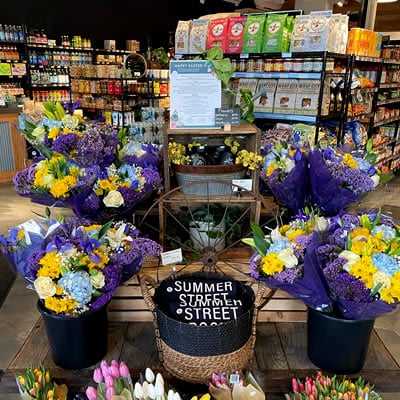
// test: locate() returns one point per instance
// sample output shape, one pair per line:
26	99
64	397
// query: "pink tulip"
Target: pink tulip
110	392
104	368
91	393
115	362
114	371
109	381
97	375
124	370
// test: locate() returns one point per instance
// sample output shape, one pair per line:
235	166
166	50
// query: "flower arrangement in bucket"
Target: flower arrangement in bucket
75	267
114	382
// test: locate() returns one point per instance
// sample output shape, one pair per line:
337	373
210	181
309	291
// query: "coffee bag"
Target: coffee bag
254	33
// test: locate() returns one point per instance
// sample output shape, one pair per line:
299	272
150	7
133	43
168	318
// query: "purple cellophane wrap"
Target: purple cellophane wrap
326	191
292	191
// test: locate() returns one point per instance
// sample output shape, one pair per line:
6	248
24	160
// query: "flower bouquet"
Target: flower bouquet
285	171
339	179
114	382
324	387
37	384
360	260
281	259
49	181
114	191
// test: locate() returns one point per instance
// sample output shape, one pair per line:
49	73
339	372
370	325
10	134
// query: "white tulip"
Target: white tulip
138	391
177	396
289	165
275	235
321	224
171	395
375	178
159	379
152	391
145	389
159	386
149	375
288	258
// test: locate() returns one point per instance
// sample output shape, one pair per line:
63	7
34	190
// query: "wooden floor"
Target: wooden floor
280	354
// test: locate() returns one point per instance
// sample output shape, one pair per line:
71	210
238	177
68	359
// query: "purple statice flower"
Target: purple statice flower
32	265
301	243
112	275
329	154
146	247
338	238
151	158
101	301
23	180
349	221
334	268
289	275
347	287
65	144
153	178
254	266
326	252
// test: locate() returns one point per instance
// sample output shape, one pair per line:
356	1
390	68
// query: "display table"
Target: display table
13	153
280	354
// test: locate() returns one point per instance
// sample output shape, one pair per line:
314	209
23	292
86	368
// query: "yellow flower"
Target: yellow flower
59	188
106	185
74	171
70	180
41	172
271	264
271	168
21	234
359	232
50	265
284	228
60	305
101	253
350	161
364	269
292	234
93	227
386	295
53	133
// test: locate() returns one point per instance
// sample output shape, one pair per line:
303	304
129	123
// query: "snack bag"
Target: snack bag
300	32
217	33
275	33
198	36
254	33
235	35
182	34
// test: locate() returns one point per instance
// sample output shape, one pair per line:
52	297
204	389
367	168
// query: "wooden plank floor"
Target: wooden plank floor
280	354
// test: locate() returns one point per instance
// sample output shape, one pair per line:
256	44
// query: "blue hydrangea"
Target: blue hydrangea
388	232
363	164
278	245
385	263
78	286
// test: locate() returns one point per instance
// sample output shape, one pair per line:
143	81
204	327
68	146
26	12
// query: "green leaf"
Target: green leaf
223	65
215	53
103	230
371	158
365	221
385	178
250	242
369	145
376	289
259	239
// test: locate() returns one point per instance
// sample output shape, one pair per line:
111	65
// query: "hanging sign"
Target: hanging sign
195	93
227	116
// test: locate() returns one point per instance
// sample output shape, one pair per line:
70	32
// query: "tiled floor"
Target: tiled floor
18	312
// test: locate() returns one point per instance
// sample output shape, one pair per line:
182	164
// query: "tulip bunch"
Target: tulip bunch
114	382
37	384
326	388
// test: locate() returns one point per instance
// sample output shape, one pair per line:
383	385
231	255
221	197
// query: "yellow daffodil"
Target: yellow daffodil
349	161
53	132
292	234
364	269
271	264
60	305
50	265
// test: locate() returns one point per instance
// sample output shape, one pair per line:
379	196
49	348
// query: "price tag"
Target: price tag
234	379
246	184
286	55
171	257
227	116
244	56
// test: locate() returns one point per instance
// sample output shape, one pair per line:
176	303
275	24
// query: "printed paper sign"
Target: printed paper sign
246	184
171	257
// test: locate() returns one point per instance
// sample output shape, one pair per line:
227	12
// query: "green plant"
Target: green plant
160	56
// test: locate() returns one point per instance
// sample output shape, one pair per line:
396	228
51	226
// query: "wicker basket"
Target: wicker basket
219	175
198	369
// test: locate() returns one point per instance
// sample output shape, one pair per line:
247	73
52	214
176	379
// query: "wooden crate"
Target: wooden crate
128	304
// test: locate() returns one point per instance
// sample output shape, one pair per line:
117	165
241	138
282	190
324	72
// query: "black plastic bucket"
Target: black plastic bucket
337	345
76	342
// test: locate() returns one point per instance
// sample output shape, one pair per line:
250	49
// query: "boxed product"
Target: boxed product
254	33
266	95
182	35
307	97
217	33
285	96
198	36
300	32
246	83
276	33
234	43
318	35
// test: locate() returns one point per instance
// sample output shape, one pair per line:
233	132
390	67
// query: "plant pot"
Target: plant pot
207	234
337	345
76	342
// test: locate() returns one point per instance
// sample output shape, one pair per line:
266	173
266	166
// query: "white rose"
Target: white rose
113	199
321	224
383	279
45	287
289	165
351	258
97	280
39	132
375	178
288	258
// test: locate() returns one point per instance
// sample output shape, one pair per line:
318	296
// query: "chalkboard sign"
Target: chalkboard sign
203	301
227	116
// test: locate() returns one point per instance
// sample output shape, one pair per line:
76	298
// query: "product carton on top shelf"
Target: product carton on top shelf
266	95
277	33
217	33
235	35
182	35
285	97
198	36
254	33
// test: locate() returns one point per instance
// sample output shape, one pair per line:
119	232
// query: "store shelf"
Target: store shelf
242	129
385	122
368	59
395	62
60	48
285	117
282	75
387	101
96	78
98	94
389	85
49	86
372	90
116	51
361	116
8	42
13	61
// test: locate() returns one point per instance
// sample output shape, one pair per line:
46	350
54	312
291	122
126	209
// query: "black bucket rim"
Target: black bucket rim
190	274
337	319
43	310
